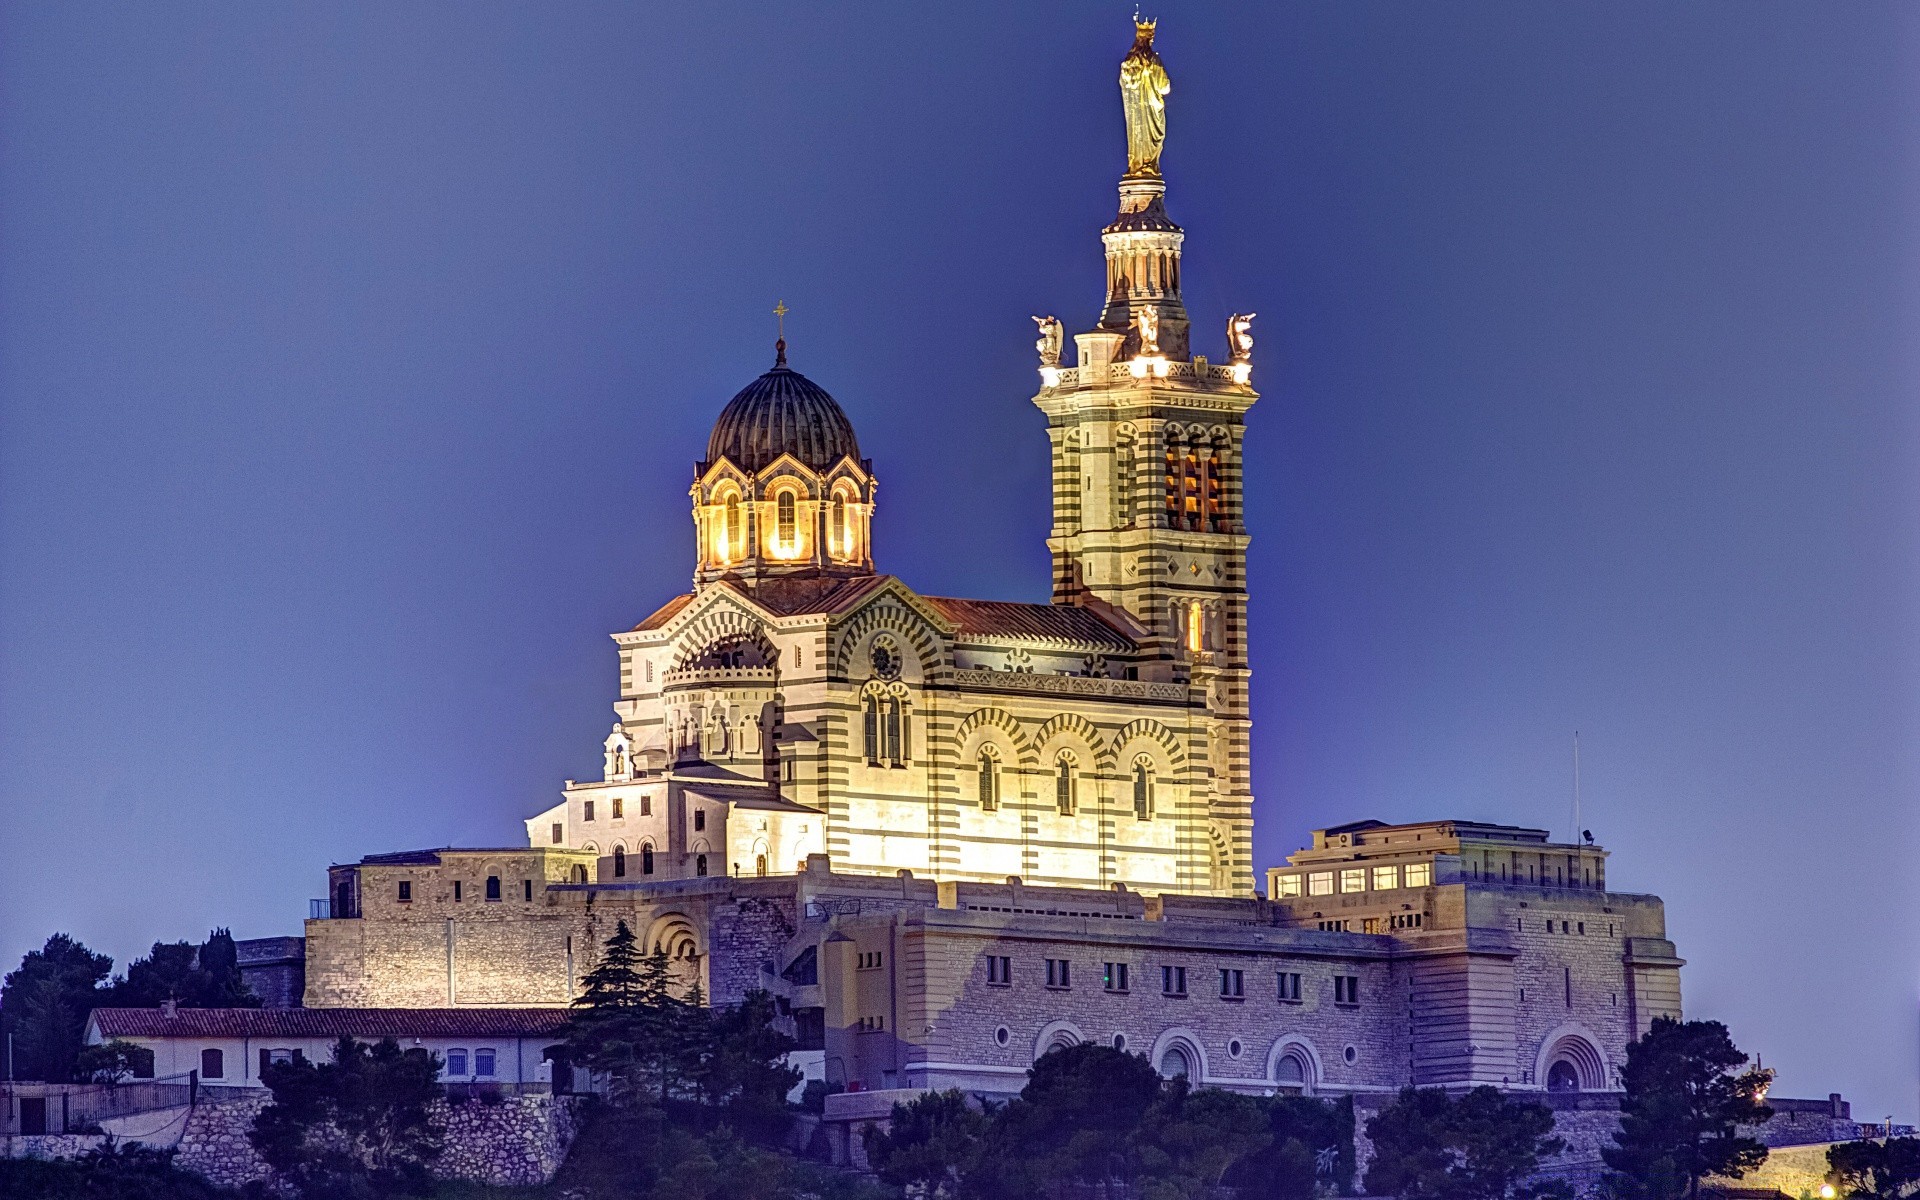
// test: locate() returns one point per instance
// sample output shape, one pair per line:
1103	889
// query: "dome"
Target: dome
782	412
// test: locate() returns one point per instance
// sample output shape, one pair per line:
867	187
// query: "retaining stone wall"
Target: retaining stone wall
519	1141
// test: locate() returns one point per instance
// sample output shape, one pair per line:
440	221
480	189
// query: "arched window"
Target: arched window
1196	626
1142	791
213	1064
493	887
840	526
731	530
700	864
871	727
786	520
646	858
1175	1064
1065	786
989	781
896	731
1290	1074
619	862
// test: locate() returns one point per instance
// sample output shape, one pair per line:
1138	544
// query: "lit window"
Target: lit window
731	530
1320	883
483	1063
989	782
1196	626
1142	791
1419	874
786	521
1286	885
1386	878
1353	879
1065	788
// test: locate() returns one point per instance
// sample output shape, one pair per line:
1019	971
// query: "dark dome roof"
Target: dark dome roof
782	412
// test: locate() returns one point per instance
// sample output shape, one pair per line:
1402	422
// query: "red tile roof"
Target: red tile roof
665	612
1054	622
329	1022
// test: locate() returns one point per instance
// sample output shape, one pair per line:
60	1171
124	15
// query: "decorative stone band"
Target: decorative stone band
1073	685
1121	372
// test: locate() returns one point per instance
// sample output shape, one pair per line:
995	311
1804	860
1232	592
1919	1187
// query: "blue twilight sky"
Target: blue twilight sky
354	357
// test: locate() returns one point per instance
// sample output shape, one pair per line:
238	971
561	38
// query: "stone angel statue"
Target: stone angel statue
1147	320
1050	339
1240	337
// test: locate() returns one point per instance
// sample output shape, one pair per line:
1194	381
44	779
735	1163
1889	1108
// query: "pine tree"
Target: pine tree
1680	1119
629	1027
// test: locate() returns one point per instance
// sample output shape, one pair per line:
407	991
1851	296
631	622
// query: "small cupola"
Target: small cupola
783	490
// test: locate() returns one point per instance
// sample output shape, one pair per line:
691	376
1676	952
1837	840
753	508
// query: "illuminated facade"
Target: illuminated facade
948	835
799	702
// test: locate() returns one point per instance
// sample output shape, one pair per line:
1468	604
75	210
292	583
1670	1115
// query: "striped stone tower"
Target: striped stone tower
1147	497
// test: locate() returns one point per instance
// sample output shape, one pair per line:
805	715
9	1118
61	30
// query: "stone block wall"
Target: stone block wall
517	1141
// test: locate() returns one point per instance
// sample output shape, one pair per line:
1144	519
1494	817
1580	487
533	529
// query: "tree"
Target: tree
113	1061
44	1004
203	976
1686	1100
930	1145
1484	1145
743	1072
1311	1142
1074	1122
225	986
115	1171
629	1027
1189	1140
1886	1170
357	1126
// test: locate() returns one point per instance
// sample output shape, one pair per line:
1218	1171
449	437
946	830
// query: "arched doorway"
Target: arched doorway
1563	1076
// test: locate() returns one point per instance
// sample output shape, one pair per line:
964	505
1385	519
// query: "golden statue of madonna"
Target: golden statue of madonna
1143	93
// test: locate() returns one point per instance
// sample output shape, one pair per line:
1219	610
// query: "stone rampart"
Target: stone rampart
508	1141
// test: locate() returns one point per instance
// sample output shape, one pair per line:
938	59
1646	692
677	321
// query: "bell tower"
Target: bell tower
1147	503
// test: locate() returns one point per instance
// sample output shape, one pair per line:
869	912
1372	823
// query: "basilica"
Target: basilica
950	834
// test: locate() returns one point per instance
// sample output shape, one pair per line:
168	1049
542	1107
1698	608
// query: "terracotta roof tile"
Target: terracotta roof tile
1053	622
665	612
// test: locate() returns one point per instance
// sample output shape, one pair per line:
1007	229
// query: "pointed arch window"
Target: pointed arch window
884	728
895	732
1142	790
989	780
1066	788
